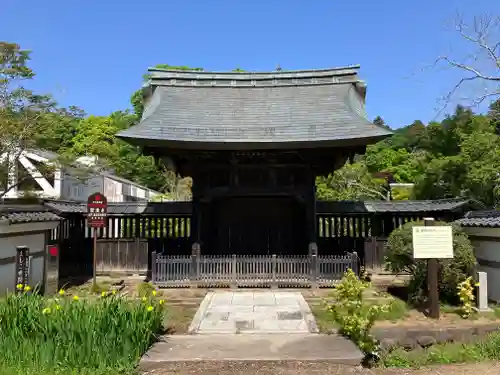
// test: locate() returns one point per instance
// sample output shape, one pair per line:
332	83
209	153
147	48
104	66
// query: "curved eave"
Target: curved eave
251	144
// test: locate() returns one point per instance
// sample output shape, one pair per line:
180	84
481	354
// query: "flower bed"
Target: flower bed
71	335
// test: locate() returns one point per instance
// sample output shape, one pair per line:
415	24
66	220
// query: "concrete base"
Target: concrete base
483	310
251	347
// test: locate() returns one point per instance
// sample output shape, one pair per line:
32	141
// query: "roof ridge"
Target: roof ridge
277	72
253	77
482	214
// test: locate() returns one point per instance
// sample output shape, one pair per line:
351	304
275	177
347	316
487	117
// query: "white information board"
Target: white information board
432	242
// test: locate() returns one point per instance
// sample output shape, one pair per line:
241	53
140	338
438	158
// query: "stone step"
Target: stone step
255	347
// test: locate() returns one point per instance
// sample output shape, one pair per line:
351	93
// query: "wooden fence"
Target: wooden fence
126	243
375	250
122	256
250	271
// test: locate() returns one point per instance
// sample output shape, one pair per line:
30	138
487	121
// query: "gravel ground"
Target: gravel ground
314	368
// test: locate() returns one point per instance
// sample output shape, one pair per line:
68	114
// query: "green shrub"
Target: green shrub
399	259
354	316
71	335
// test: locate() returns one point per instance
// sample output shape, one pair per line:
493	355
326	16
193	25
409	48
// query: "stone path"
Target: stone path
253	312
251	326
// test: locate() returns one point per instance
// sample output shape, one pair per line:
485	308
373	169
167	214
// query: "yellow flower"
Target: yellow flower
103	294
154	293
58	307
61	292
76	298
144	299
27	288
114	292
150	308
19	286
46	311
162	302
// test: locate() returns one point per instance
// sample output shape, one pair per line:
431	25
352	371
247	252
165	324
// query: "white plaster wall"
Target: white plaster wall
487	250
141	193
36	243
94	185
113	190
78	189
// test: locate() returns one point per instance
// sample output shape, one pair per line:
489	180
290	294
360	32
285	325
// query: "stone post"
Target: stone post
154	266
482	295
195	264
313	261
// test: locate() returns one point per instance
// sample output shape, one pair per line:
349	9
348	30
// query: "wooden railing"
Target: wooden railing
250	271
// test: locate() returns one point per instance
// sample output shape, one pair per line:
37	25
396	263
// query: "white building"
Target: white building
483	229
70	184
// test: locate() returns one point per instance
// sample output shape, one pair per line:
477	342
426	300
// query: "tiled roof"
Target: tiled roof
485	219
416	205
185	208
233	109
404	206
125	208
14	214
65	206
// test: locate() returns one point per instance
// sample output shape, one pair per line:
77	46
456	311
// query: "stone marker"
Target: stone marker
482	299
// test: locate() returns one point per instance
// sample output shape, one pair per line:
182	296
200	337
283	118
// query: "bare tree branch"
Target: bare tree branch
482	65
370	191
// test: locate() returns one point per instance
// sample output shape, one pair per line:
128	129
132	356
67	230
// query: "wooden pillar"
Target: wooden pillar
196	215
311	214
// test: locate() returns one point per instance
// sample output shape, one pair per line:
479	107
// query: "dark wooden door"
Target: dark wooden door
259	226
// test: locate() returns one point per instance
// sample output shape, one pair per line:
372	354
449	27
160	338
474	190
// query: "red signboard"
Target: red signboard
97	209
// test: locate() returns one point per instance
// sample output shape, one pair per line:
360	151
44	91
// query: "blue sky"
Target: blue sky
93	53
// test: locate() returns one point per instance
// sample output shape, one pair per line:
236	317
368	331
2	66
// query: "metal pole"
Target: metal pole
94	278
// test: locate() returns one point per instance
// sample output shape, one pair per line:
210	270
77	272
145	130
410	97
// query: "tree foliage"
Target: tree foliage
457	157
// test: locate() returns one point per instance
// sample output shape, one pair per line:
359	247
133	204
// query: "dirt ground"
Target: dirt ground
315	368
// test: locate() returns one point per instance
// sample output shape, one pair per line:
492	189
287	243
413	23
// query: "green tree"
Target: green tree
24	115
351	182
379	121
64	126
96	136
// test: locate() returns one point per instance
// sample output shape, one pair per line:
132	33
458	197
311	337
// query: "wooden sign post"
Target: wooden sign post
22	267
432	243
97	210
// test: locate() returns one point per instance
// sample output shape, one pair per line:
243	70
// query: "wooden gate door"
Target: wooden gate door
257	226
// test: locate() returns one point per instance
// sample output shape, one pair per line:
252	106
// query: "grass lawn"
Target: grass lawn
486	349
398	310
399	313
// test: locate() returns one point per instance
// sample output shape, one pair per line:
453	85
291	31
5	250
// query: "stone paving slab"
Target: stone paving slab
253	312
257	347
